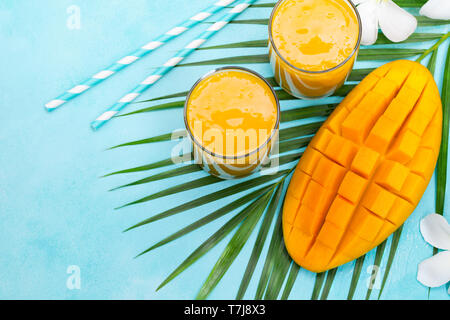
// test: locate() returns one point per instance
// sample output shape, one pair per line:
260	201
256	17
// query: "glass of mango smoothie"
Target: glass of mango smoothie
313	45
232	117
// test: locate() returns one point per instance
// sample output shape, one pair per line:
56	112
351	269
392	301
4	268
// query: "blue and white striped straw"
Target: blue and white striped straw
138	54
170	64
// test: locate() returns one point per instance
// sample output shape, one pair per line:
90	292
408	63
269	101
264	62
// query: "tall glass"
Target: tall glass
224	161
312	84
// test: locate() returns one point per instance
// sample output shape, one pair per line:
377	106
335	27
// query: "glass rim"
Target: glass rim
358	42
235	157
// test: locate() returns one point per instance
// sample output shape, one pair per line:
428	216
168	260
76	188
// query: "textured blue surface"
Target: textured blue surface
55	210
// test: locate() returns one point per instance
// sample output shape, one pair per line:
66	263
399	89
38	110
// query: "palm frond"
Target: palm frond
147	167
320	277
331	274
280	262
235	246
393	250
293	273
377	264
401	3
276	245
355	276
259	242
364	55
441	168
421	22
415	37
210	217
160	138
212	241
211	197
194	184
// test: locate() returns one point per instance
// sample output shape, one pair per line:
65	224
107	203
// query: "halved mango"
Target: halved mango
365	171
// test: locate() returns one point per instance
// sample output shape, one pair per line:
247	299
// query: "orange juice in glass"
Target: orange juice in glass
232	117
313	45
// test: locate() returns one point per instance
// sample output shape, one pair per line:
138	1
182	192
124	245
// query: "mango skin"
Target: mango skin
366	169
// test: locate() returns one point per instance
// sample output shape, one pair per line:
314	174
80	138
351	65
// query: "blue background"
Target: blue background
55	211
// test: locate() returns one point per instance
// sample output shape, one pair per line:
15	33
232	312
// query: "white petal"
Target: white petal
369	21
356	2
396	23
435	271
436	231
436	9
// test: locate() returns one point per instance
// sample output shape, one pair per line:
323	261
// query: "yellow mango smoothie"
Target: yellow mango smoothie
313	45
232	117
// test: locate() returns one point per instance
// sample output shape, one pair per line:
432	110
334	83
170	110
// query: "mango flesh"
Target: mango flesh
366	169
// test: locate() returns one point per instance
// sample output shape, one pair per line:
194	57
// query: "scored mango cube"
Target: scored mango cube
365	224
365	162
382	133
303	243
378	200
354	97
328	173
321	140
299	182
352	187
391	175
341	211
308	162
400	210
330	234
341	150
386	88
408	95
405	147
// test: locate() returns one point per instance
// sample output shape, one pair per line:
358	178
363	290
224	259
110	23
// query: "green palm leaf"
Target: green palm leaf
147	167
331	274
281	267
427	22
421	22
364	55
280	263
275	247
160	138
320	277
393	250
194	184
293	274
210	217
213	240
441	168
415	37
217	195
166	106
355	276
401	3
259	242
164	175
376	263
234	247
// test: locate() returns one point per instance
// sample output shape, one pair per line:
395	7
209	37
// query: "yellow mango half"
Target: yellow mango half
366	169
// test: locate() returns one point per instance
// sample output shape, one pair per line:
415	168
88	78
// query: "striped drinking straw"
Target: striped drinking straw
170	64
138	54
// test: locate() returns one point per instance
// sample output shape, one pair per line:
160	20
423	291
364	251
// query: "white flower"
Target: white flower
436	9
396	23
435	271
